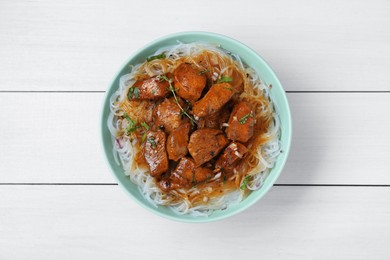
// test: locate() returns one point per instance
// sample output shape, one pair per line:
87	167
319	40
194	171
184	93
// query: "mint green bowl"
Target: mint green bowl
253	60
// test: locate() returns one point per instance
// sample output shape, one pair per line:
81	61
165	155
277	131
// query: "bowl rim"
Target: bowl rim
275	175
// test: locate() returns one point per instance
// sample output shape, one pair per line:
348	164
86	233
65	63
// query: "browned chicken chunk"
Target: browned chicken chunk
185	175
231	156
187	170
205	144
189	82
177	142
215	98
202	174
168	115
176	180
215	120
237	81
241	123
184	172
155	153
152	88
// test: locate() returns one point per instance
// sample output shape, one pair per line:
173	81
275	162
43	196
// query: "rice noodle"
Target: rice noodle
260	161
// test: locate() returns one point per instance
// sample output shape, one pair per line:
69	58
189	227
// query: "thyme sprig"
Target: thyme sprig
171	88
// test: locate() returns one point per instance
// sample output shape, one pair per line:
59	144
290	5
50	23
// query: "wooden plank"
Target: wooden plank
79	45
54	137
51	138
67	222
339	138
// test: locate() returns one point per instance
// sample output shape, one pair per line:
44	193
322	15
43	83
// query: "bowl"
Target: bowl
252	59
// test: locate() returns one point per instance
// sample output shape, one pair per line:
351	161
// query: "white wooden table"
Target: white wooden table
58	199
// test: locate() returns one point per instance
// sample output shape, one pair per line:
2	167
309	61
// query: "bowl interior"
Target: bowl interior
251	59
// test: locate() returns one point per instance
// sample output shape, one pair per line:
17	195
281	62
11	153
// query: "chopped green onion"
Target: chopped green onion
130	93
133	91
132	124
127	117
131	127
145	125
224	79
136	92
245	182
152	142
144	136
245	118
203	72
156	57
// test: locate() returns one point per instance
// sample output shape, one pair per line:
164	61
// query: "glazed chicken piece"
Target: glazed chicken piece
189	82
205	144
237	81
186	169
231	156
202	174
185	175
177	142
168	115
215	120
241	123
218	95
153	88
155	153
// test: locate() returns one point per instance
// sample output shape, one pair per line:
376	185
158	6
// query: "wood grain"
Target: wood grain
79	45
101	222
55	138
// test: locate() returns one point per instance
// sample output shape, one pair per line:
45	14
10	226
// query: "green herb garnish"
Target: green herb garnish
132	124
145	125
203	72
224	79
127	117
245	182
133	91
156	57
136	92
163	77
130	93
144	136
193	178
193	122
228	88
245	118
152	142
